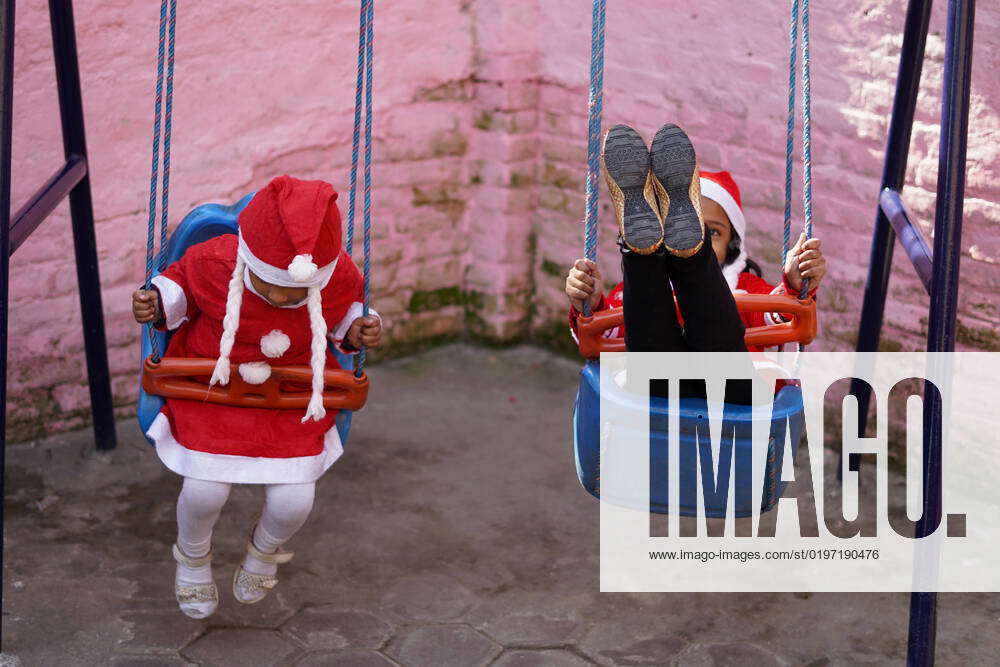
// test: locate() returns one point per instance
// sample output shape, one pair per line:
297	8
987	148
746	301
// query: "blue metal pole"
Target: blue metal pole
6	133
911	60
944	291
82	214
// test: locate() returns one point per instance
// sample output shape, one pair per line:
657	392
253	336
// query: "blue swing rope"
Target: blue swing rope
594	105
368	9
158	117
806	133
356	139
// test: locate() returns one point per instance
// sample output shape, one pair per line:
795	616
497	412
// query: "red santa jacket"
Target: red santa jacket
193	293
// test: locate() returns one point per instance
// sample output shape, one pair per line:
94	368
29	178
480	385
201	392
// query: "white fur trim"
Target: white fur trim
280	276
230	323
317	325
302	269
242	469
173	301
275	344
255	372
721	196
731	272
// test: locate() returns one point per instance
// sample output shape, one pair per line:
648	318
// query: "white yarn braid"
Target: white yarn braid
317	324
230	324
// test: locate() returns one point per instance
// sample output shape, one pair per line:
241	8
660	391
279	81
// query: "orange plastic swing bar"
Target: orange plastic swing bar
175	378
800	329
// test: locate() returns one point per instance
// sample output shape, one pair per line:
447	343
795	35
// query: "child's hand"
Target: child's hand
584	282
145	306
805	260
365	332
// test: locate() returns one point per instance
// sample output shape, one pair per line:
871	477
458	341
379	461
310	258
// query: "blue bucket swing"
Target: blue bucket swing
787	406
346	389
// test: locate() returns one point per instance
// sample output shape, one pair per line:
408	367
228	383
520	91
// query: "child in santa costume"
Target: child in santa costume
276	293
682	231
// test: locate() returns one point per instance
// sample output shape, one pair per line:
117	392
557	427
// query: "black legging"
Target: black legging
711	321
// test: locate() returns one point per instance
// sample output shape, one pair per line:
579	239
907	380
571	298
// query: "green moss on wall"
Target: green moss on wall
422	301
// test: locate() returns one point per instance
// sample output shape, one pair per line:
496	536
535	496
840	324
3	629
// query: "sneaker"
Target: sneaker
675	178
626	167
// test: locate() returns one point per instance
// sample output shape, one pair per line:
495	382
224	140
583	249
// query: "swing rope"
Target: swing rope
368	11
806	133
594	106
161	116
356	138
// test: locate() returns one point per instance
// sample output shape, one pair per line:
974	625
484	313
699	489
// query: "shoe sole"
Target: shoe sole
626	168
675	170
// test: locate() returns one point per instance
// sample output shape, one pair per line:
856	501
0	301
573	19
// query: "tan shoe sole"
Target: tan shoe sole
678	189
625	160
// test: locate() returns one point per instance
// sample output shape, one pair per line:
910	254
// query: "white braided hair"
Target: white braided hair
230	324
318	360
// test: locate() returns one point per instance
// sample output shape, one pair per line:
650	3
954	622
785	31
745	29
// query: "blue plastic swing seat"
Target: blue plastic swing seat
587	444
203	223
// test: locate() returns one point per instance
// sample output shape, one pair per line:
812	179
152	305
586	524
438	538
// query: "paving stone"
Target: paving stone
148	661
270	612
346	659
167	629
729	655
543	658
330	628
655	651
430	597
240	647
444	646
530	629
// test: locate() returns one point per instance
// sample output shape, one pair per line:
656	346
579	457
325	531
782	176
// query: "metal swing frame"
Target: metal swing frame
938	271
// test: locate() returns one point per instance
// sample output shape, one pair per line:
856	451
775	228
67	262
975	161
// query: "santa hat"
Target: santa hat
720	187
289	235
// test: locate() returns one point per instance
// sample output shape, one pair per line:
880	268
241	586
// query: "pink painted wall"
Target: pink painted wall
480	150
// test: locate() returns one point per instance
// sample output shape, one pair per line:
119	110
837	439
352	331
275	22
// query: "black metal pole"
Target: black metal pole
911	60
82	212
6	132
944	292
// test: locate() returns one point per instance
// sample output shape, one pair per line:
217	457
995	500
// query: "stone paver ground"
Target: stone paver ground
453	532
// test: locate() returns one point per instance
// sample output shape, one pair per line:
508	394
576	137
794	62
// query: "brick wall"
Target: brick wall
480	150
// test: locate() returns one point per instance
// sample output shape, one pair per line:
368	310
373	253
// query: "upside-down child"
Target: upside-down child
682	239
276	293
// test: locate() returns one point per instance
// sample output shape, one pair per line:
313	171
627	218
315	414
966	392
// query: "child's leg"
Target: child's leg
286	508
711	321
650	316
198	508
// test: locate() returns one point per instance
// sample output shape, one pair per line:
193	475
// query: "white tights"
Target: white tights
286	508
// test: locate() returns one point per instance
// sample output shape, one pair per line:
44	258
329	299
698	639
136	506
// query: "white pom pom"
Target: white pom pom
255	372
221	373
302	268
275	344
315	411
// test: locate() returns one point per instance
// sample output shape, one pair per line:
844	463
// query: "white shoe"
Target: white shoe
253	586
196	593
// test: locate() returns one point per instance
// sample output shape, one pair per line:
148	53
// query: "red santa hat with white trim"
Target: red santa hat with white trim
720	187
289	235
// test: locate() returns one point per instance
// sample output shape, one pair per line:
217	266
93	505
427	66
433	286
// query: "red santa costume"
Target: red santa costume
289	235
